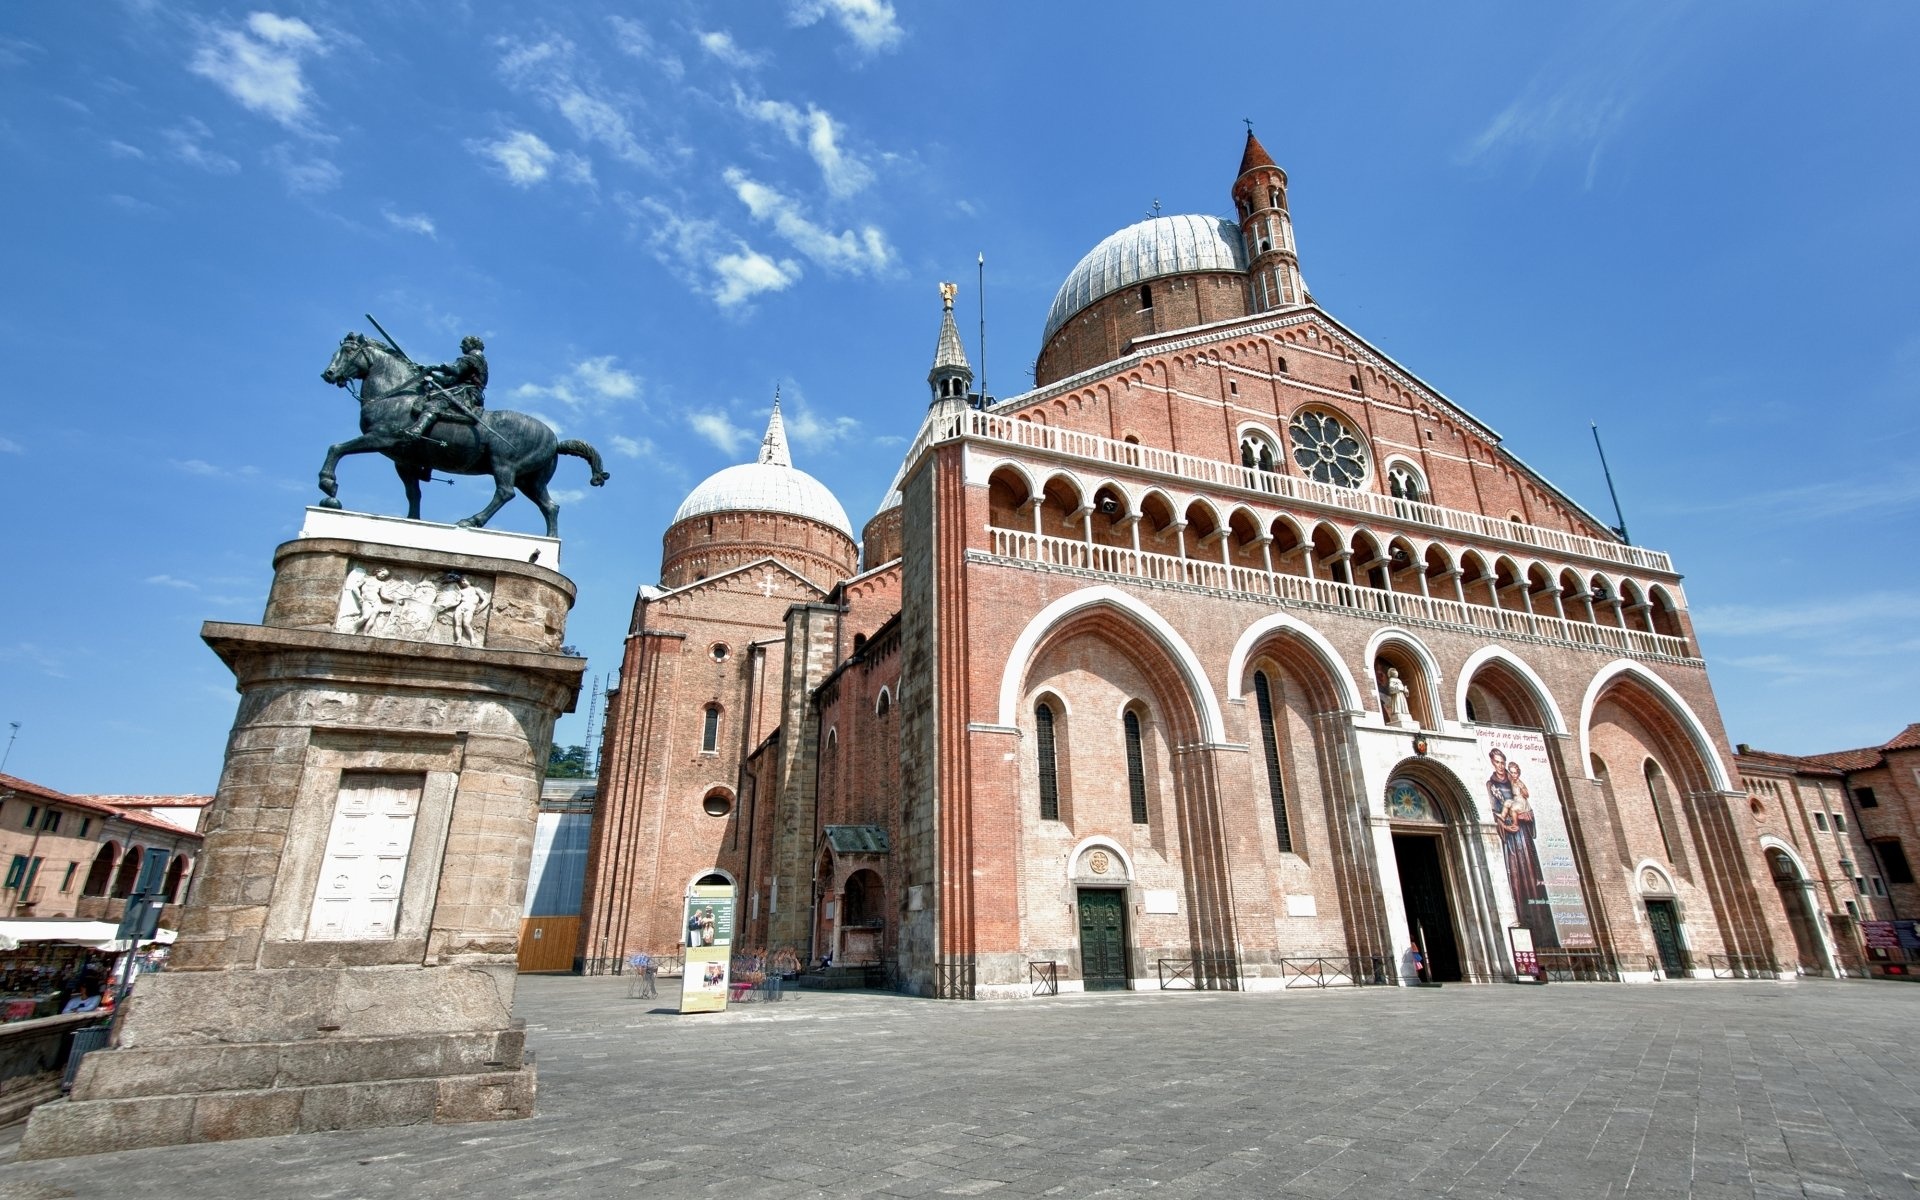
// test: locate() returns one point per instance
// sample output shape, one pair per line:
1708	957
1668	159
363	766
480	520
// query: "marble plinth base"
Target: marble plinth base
277	1013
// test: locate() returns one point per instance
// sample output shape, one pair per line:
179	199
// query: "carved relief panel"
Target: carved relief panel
415	604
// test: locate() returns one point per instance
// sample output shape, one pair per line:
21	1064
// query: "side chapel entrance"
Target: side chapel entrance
1665	923
1103	939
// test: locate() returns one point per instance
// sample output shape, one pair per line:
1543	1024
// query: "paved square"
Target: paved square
1564	1092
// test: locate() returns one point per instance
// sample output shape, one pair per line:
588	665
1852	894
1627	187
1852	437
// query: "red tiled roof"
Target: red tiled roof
1255	156
1799	764
1866	757
35	791
1906	739
1849	760
127	801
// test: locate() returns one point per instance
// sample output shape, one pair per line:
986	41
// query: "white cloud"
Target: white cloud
206	470
1584	91
547	69
862	251
170	581
1891	490
843	172
632	447
812	431
716	428
188	141
9	446
131	204
591	384
1818	619
120	149
720	44
14	52
714	261
871	24
747	273
608	380
304	175
633	40
419	223
521	156
260	65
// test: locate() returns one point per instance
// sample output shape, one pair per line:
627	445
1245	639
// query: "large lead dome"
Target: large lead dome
1159	246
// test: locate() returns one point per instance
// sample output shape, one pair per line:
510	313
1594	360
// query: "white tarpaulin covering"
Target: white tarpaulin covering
70	931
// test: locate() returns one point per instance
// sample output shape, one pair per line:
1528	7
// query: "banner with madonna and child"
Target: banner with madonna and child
1524	806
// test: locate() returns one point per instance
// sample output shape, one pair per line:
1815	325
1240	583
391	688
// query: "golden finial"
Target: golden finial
947	292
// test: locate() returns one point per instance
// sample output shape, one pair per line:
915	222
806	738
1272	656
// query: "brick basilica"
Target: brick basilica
1232	653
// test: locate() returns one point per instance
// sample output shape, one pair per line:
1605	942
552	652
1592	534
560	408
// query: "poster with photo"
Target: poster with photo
707	935
1523	804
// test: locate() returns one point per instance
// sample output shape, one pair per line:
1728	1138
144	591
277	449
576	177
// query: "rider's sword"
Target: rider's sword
389	337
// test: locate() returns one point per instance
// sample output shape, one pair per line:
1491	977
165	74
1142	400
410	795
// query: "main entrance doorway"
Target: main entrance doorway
1423	888
1665	923
1103	939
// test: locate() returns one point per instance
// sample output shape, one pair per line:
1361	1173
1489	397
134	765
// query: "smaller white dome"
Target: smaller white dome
765	487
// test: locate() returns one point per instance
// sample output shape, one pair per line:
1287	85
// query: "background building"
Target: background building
1233	646
1837	831
80	856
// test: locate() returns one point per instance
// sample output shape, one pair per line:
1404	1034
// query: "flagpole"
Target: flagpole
983	329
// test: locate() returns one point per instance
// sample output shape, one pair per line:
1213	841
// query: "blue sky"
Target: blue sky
1691	223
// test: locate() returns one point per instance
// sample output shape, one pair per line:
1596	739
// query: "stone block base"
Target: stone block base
134	1099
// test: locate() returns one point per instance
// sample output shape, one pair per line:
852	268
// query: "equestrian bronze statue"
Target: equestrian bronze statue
429	419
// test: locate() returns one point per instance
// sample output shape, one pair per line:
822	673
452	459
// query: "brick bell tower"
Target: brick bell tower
1260	203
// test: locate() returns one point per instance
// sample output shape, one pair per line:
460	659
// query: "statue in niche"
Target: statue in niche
421	606
1396	693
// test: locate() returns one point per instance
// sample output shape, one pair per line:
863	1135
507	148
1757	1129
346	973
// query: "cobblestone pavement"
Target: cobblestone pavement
1565	1092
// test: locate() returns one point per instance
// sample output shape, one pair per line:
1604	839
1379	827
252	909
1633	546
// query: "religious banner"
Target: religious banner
708	938
1524	806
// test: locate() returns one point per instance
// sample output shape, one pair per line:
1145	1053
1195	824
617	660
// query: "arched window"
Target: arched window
1263	698
1283	366
1273	197
717	803
1136	769
1043	749
1257	451
1146	296
1657	797
1405	482
710	732
100	875
885	705
129	873
176	870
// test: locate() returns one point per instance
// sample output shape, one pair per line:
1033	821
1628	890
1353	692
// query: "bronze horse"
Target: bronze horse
519	451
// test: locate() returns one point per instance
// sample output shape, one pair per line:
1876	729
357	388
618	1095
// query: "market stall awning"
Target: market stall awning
70	931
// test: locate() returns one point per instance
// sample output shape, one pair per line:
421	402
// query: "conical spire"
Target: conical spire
773	447
1255	156
951	375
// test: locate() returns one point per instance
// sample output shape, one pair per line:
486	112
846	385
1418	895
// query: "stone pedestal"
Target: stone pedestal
347	958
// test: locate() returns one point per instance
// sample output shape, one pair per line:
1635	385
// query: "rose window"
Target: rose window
1326	450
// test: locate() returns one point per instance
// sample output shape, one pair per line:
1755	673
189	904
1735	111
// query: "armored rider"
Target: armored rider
461	390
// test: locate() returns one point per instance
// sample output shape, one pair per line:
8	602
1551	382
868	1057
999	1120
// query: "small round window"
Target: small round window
719	651
717	805
1326	450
